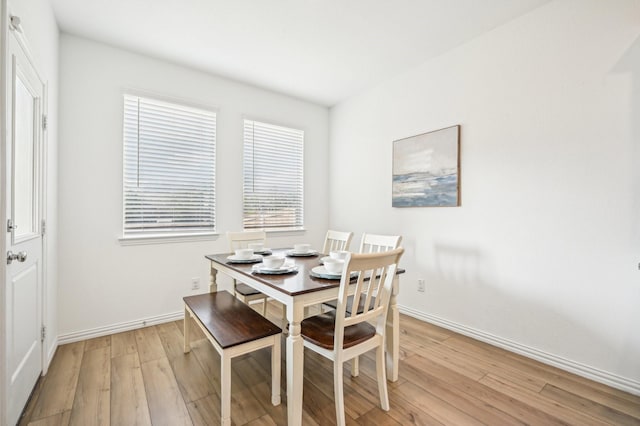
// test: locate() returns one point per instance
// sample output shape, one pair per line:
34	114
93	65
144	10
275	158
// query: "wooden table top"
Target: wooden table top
292	284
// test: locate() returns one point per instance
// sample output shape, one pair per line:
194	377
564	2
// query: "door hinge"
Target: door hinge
44	122
43	226
43	333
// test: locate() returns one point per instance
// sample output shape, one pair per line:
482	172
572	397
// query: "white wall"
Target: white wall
103	283
543	253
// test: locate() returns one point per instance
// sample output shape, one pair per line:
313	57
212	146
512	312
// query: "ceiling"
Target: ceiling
322	51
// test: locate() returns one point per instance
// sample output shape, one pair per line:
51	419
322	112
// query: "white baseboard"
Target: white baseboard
117	328
610	379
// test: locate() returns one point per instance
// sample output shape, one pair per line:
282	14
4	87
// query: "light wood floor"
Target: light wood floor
142	377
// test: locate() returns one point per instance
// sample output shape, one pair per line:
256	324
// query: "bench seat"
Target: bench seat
233	329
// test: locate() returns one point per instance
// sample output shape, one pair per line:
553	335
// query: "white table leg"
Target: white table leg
393	335
213	285
295	365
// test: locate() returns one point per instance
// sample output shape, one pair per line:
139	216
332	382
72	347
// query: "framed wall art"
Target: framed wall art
426	169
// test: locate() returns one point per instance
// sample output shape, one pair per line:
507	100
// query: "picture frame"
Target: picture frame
426	169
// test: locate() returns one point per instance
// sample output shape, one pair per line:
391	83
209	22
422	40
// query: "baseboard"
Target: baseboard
613	380
118	328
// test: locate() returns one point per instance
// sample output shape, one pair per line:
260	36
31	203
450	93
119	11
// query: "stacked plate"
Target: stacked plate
284	269
321	272
307	253
253	259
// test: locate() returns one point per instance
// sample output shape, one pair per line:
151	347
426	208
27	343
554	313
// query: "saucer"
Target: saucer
253	259
321	272
284	269
301	253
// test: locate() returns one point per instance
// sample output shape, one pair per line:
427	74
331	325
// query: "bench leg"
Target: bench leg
225	389
187	330
275	370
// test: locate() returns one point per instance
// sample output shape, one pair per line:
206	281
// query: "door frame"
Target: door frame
4	80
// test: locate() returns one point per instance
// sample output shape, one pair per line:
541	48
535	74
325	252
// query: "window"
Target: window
169	168
273	176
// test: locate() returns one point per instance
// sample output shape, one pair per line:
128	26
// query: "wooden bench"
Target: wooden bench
233	329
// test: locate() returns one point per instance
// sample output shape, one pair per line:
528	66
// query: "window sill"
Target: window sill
280	231
164	239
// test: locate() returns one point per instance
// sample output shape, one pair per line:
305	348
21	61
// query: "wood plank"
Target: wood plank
128	395
149	345
123	344
205	411
59	387
97	343
541	403
585	405
423	372
166	405
171	339
60	419
91	405
377	416
265	420
437	408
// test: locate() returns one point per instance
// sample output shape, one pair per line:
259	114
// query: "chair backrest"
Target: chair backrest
337	240
372	243
239	240
376	272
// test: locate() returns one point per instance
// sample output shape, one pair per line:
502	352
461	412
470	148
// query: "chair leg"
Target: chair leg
355	367
264	307
275	370
338	392
285	330
225	390
187	330
381	371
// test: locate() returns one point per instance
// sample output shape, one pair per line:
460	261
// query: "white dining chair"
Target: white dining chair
341	336
245	293
336	241
370	243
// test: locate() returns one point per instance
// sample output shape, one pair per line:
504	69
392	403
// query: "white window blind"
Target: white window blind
169	168
273	176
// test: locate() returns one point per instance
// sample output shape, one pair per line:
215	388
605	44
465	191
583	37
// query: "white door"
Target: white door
23	229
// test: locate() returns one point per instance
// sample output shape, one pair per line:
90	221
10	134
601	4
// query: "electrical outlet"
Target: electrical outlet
421	286
195	283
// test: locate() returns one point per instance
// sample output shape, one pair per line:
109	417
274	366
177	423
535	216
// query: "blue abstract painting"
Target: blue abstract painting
426	169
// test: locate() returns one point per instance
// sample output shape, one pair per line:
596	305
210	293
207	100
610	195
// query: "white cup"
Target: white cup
244	253
339	254
301	248
273	262
256	246
334	266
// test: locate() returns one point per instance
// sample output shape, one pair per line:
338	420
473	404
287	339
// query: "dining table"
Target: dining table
298	290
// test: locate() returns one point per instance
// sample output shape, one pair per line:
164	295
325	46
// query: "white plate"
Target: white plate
321	272
285	269
253	259
301	253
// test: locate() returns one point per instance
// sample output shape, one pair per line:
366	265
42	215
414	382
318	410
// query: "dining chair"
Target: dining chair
341	336
370	243
245	293
336	240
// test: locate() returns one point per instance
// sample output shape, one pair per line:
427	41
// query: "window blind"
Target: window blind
169	168
273	176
